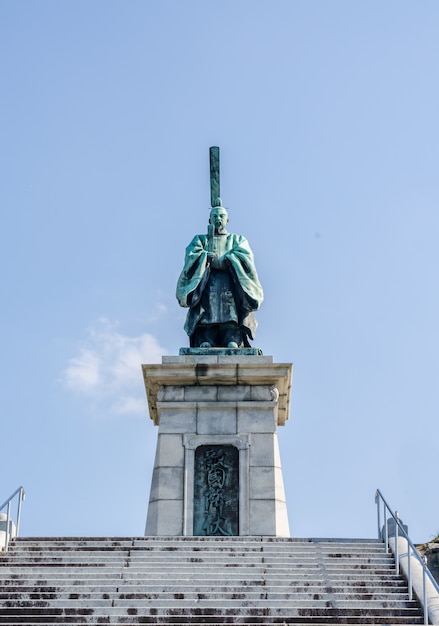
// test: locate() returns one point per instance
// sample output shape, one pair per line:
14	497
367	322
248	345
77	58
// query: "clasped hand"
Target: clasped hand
215	261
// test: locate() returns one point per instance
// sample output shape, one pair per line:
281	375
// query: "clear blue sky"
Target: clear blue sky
326	113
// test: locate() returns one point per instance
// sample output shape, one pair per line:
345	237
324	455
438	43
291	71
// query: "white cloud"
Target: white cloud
107	368
82	374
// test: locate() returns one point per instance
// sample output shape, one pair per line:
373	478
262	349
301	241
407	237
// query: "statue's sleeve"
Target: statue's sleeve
195	265
240	257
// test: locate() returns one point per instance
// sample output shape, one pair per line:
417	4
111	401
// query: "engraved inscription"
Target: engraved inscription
216	489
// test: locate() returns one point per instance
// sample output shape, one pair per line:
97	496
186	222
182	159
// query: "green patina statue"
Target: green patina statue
219	282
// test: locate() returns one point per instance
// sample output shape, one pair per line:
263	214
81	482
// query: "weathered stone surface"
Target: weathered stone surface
262	482
282	525
200	393
167	483
219	401
262	393
169	451
178	418
220	370
170	393
261	419
263	517
262	450
277	462
234	393
200	580
165	517
279	493
214	420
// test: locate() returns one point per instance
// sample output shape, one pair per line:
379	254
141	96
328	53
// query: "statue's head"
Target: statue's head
219	218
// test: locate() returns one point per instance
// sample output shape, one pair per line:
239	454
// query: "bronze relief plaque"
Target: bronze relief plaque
216	491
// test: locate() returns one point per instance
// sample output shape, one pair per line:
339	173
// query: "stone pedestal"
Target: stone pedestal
4	528
217	468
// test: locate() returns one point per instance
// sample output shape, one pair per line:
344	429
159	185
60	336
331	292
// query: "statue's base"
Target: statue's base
221	351
218	416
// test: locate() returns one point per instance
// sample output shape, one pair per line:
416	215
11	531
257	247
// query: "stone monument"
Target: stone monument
217	469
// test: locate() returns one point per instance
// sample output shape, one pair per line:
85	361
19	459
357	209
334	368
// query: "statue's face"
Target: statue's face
219	218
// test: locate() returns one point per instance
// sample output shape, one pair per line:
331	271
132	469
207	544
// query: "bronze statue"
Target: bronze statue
219	282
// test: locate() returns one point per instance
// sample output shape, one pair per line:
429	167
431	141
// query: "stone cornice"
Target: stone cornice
219	370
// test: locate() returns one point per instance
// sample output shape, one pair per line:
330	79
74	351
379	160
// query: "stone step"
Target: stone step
197	620
202	620
190	556
99	612
137	553
164	552
194	557
161	577
242	620
200	593
140	586
243	542
234	574
293	608
199	585
188	543
218	554
200	564
247	539
201	580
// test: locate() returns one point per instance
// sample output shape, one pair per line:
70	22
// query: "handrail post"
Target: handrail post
396	543
20	500
409	572
377	501
387	528
8	517
424	589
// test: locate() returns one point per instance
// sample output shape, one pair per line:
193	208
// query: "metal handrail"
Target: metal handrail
399	529
7	503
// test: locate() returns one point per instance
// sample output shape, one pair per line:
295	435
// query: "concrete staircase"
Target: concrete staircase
201	580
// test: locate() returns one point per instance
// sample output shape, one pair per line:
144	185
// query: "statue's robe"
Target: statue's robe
223	295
